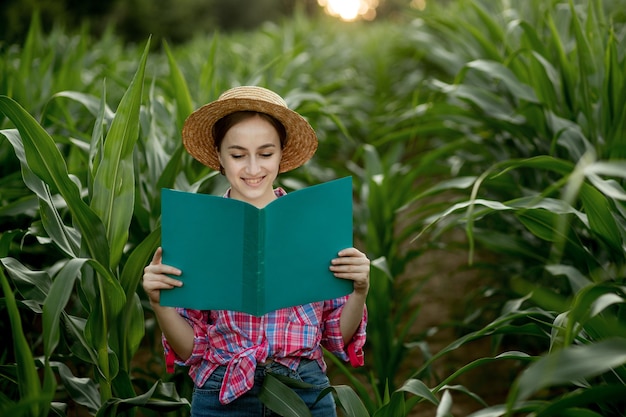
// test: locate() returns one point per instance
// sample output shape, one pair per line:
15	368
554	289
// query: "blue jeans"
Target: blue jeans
205	401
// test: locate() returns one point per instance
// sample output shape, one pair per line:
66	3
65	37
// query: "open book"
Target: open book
234	256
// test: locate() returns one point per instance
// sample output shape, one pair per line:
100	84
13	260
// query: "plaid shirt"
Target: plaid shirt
239	341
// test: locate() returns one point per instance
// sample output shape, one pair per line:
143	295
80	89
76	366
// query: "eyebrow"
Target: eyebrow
242	148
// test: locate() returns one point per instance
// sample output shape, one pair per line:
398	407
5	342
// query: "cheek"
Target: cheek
279	157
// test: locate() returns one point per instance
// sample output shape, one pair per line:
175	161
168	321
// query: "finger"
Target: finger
162	269
360	277
157	257
360	282
363	263
162	284
350	268
351	252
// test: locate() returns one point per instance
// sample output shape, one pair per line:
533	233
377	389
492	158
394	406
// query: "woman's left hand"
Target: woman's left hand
354	265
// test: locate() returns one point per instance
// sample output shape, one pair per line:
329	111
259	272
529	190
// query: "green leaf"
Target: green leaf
83	391
348	401
588	303
27	374
492	69
419	389
91	103
568	365
513	355
394	407
610	187
445	406
161	397
541	223
601	220
594	396
44	159
127	335
180	90
105	312
114	182
34	286
281	399
576	279
66	238
55	303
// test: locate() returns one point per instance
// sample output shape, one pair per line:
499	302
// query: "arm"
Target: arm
353	265
175	328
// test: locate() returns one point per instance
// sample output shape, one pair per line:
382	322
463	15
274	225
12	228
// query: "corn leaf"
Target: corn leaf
601	220
567	365
114	182
161	397
574	402
32	285
82	390
45	160
282	399
180	90
66	238
347	400
127	335
27	374
55	302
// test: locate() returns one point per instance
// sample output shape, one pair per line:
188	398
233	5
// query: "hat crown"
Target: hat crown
197	134
253	93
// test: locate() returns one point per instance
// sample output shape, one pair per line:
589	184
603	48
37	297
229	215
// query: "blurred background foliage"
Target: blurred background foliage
174	20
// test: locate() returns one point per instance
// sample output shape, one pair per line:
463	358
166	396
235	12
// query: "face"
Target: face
250	155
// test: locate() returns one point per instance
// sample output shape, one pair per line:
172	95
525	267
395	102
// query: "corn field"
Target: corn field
488	131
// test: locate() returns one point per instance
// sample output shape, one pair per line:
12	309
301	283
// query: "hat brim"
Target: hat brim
300	143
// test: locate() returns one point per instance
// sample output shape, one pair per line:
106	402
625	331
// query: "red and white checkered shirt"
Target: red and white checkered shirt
239	341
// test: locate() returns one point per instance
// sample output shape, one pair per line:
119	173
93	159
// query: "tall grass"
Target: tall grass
503	120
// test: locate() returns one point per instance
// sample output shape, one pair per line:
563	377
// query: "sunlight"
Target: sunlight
350	10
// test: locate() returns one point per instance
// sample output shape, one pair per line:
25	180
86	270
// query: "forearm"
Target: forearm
351	316
176	329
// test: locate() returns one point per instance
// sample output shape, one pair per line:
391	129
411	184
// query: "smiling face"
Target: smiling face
250	155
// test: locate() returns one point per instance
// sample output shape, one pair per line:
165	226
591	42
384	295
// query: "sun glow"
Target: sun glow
350	10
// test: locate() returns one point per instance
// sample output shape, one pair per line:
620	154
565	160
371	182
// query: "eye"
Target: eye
267	155
236	156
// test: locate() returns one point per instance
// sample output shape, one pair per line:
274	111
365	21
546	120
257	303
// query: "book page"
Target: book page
235	256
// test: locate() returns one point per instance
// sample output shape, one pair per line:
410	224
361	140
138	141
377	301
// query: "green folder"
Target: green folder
234	256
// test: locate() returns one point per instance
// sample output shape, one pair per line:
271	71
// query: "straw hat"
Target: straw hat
300	143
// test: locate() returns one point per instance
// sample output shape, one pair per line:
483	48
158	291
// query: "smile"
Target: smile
253	181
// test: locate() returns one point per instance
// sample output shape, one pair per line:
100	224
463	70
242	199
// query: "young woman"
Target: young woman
251	136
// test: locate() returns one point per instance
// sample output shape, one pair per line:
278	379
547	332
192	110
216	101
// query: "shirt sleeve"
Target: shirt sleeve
332	339
199	321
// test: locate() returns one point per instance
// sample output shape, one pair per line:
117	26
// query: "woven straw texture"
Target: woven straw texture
301	140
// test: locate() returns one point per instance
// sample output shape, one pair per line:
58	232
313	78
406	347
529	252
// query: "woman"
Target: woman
251	136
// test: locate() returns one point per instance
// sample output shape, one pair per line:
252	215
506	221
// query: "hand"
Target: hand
354	265
155	278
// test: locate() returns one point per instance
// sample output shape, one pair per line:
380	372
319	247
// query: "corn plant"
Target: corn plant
90	226
502	119
539	107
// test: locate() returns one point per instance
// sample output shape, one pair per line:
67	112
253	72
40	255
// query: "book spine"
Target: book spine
261	262
251	242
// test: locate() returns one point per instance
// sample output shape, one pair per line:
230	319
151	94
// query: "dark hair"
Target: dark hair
221	127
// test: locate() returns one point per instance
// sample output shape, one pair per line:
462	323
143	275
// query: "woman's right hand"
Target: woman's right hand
155	277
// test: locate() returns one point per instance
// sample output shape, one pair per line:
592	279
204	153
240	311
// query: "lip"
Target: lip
253	182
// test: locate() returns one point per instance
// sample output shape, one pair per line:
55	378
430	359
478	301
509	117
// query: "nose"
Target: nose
253	167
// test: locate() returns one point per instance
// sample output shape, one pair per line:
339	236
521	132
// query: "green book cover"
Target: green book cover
234	256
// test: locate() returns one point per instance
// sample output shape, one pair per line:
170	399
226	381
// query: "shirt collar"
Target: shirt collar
278	192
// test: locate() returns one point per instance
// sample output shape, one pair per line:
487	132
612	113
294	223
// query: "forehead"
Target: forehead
253	132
